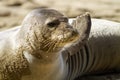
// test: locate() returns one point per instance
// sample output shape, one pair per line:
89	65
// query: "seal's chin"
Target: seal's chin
71	40
68	38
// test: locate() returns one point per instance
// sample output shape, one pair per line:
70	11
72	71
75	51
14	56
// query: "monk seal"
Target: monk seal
33	50
47	47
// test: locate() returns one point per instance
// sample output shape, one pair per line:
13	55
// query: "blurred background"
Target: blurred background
12	12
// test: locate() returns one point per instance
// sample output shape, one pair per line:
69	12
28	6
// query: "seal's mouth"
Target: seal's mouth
59	41
66	38
71	39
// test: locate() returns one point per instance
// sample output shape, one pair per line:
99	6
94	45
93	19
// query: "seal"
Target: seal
33	50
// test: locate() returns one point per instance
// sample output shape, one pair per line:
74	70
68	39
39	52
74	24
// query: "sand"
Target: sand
12	13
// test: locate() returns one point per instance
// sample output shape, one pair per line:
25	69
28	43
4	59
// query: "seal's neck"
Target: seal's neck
46	69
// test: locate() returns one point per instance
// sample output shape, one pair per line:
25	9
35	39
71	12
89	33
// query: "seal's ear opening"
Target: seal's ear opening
83	25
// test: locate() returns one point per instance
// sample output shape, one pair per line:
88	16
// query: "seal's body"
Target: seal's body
45	47
101	52
104	45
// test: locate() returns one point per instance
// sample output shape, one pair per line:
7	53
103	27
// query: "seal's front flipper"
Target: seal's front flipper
83	25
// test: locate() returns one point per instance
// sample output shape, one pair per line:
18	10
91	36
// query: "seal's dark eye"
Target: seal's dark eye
54	23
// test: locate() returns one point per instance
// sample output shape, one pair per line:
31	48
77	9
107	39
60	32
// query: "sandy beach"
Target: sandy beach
12	12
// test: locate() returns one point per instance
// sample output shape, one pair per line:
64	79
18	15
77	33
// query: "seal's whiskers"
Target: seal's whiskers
57	43
52	43
47	43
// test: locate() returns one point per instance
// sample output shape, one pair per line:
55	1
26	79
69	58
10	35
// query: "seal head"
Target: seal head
46	30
